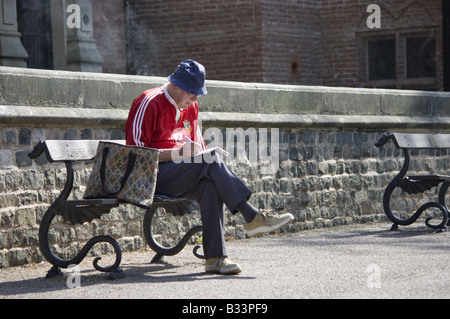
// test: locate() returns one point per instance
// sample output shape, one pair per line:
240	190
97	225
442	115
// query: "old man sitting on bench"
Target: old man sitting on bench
166	118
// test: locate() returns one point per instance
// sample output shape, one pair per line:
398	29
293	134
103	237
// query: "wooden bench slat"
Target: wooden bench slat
422	141
72	150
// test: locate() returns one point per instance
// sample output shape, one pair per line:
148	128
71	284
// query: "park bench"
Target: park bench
417	184
79	211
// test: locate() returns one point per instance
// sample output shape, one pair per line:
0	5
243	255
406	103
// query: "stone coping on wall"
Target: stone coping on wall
115	118
32	116
30	96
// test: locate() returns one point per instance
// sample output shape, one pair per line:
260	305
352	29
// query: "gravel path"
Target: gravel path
358	261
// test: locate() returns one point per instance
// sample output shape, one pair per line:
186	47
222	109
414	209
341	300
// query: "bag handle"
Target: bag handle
131	161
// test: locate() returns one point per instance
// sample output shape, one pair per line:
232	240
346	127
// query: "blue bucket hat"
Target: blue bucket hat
190	77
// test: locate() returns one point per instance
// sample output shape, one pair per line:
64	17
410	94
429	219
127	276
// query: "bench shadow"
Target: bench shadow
134	273
401	232
420	237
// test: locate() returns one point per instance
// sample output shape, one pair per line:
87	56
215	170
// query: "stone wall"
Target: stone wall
328	170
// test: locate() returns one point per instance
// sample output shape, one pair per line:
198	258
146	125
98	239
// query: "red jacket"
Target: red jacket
152	122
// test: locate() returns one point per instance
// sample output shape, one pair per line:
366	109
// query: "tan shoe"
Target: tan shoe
222	265
265	222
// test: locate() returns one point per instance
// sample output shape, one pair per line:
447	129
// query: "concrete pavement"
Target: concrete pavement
356	261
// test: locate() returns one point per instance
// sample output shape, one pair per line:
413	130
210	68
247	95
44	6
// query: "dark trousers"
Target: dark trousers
212	184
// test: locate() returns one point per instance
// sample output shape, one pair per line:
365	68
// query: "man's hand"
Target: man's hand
188	150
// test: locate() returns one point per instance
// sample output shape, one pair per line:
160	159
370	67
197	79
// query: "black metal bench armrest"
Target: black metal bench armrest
384	139
38	149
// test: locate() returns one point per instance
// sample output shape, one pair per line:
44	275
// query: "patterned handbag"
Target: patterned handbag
125	172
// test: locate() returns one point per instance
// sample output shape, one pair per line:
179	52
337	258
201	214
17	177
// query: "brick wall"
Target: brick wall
296	42
291	41
222	35
345	32
251	41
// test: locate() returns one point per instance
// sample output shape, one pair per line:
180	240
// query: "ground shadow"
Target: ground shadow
134	273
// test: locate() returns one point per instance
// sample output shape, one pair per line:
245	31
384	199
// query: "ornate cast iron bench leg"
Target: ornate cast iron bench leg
160	250
442	193
57	208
